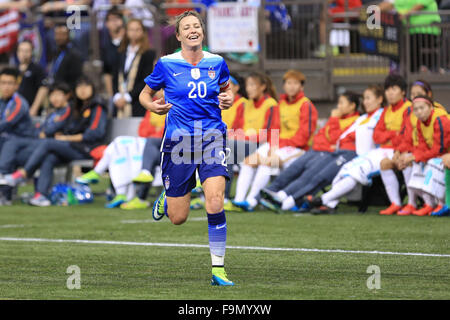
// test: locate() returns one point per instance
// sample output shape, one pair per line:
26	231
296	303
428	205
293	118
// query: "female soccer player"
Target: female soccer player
296	117
333	146
409	142
445	211
428	171
196	90
361	169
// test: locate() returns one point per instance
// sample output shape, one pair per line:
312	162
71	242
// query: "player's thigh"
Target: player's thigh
259	157
214	191
178	180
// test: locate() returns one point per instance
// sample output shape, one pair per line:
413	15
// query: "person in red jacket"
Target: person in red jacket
296	116
387	134
232	118
409	141
333	146
445	211
428	171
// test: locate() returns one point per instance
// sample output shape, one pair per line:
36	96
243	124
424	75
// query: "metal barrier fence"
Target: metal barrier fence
427	53
328	51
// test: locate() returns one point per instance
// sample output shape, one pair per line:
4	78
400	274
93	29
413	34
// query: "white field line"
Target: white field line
165	220
5	226
187	245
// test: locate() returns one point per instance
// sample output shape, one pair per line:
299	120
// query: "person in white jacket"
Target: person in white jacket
362	168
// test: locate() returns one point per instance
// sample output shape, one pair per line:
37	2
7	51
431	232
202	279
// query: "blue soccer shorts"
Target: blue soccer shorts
178	170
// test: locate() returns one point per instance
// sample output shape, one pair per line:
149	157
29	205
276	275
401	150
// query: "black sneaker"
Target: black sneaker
271	205
268	194
313	201
323	210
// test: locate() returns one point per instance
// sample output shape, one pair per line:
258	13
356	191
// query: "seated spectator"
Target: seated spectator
136	62
333	146
16	150
84	131
32	85
296	117
66	65
131	162
14	113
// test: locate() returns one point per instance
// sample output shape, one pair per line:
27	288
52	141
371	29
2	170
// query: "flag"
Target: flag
9	29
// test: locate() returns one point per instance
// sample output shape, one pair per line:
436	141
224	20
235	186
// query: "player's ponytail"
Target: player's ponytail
270	88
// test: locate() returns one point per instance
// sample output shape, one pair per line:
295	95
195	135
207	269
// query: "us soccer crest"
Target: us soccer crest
195	73
166	182
211	73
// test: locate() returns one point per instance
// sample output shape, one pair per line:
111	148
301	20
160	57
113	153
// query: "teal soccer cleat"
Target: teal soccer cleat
160	207
219	277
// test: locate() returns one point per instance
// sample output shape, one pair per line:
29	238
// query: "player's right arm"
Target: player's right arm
157	106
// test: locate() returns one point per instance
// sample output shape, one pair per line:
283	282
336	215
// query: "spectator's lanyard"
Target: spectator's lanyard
57	63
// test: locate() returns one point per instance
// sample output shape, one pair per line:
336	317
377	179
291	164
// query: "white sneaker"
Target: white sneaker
40	201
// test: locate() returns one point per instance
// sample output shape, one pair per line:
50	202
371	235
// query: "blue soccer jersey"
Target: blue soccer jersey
193	91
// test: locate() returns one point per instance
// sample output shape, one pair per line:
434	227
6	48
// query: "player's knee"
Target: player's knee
251	160
214	203
178	219
178	213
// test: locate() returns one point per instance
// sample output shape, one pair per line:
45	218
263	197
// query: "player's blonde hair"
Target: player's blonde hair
187	14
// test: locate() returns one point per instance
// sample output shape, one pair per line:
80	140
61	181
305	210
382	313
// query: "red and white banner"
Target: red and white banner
9	29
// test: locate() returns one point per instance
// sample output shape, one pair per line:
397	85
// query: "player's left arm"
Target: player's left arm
226	96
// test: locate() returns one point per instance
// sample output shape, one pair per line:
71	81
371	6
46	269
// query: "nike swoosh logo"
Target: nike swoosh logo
177	74
222	226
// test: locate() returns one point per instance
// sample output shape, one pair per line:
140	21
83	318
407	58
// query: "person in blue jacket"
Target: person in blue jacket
85	130
14	109
15	120
16	150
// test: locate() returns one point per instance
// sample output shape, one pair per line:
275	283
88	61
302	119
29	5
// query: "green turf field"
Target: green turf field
37	270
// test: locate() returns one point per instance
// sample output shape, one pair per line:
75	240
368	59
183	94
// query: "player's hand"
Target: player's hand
406	160
225	100
120	103
159	106
336	113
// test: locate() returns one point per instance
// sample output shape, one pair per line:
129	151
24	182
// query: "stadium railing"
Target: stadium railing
435	54
295	46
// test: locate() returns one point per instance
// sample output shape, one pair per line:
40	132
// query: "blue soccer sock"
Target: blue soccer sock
217	232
